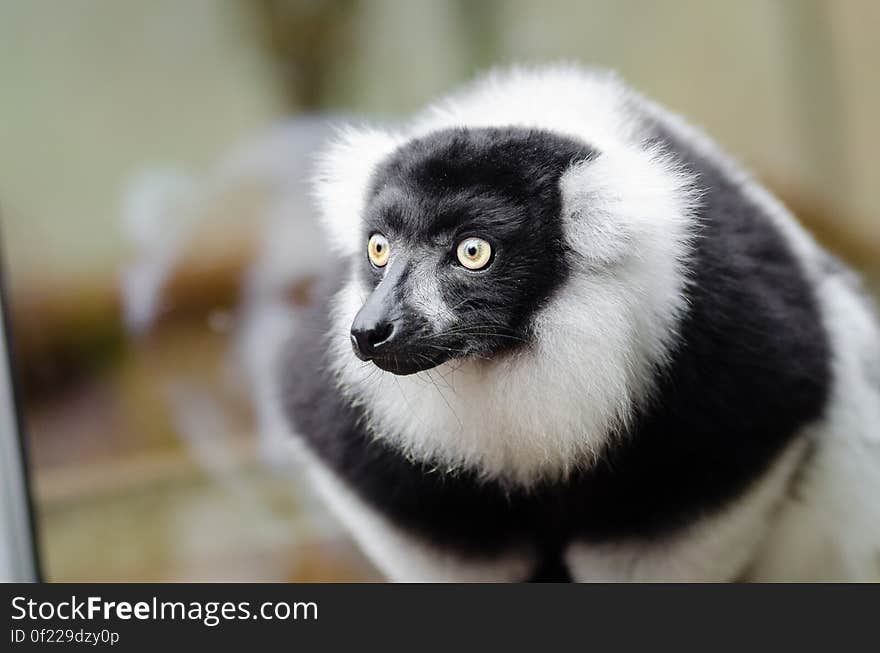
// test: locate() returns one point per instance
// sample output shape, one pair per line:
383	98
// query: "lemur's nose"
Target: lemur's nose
368	338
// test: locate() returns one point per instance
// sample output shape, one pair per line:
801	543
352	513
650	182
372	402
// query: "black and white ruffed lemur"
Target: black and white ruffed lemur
569	339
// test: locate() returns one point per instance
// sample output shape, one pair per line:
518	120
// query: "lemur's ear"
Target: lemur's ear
342	179
625	203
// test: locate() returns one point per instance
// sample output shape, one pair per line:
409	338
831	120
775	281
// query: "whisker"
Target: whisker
446	401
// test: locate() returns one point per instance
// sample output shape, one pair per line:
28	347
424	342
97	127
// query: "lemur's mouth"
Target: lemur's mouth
405	364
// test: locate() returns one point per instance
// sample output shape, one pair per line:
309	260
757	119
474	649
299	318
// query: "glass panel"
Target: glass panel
153	178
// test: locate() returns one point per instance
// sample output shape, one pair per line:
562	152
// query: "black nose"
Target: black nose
367	340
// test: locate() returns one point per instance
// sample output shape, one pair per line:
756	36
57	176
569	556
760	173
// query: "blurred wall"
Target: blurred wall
93	91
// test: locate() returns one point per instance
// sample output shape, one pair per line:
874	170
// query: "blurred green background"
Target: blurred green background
96	93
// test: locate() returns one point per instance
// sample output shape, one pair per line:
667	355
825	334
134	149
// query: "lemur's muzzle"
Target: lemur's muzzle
389	335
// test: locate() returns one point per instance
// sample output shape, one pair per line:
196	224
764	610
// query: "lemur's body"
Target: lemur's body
657	376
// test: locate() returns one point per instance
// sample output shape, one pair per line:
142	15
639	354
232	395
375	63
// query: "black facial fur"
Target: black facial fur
500	185
750	370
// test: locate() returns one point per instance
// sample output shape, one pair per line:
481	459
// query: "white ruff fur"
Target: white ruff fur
629	214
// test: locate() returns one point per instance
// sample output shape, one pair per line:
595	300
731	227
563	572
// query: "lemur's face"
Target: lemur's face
462	244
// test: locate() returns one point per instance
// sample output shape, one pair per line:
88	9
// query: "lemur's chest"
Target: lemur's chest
624	497
437	537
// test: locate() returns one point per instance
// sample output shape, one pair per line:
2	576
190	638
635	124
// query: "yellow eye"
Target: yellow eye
474	253
377	250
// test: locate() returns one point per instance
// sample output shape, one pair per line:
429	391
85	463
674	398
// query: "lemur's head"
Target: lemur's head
517	264
463	243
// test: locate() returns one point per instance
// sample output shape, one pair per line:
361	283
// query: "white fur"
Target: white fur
829	528
629	214
342	180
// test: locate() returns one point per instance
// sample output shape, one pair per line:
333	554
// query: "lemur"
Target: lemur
563	337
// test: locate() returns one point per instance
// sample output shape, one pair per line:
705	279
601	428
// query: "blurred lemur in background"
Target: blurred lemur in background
568	339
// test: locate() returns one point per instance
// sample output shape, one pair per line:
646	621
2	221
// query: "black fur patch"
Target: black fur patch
750	370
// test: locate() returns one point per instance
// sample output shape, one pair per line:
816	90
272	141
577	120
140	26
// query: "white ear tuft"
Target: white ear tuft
589	214
342	179
628	202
